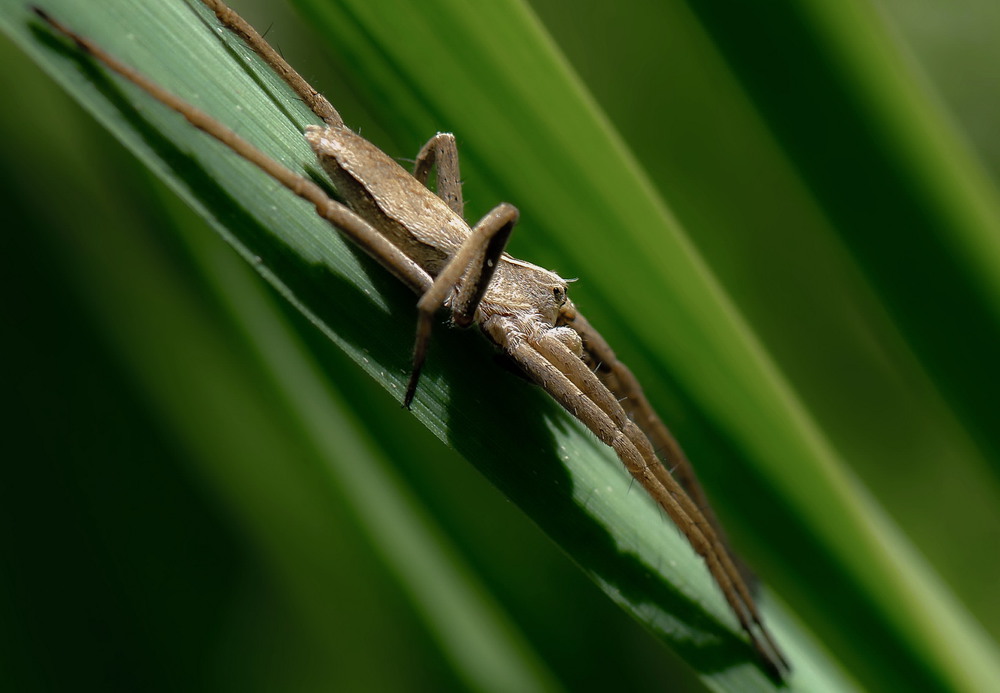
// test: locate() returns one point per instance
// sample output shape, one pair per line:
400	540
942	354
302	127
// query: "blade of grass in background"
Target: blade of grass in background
954	45
766	236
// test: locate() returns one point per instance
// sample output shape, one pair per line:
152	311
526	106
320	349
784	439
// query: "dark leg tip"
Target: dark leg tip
411	389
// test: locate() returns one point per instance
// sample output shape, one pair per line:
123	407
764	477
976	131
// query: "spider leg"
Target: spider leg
470	269
617	377
312	98
568	379
354	227
442	152
556	352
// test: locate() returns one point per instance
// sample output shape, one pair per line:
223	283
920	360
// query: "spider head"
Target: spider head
532	293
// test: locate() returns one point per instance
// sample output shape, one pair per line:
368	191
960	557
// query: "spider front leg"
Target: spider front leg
470	269
617	378
551	360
